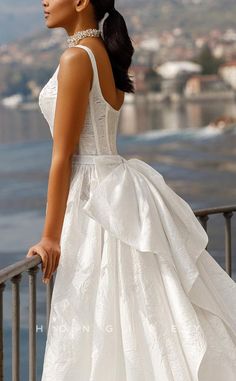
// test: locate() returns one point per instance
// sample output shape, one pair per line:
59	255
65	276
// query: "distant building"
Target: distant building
173	69
174	75
228	72
207	87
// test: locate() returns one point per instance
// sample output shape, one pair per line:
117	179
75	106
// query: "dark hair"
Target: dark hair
117	42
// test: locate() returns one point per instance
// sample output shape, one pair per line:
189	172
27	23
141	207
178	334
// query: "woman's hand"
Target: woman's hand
50	251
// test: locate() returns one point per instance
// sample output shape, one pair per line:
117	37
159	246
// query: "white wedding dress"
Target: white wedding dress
136	295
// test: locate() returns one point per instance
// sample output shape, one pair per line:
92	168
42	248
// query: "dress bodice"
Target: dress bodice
99	133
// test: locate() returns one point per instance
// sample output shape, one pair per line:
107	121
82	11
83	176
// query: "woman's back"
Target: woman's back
101	122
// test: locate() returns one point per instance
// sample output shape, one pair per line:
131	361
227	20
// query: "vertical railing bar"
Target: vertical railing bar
228	248
32	322
2	287
203	219
16	327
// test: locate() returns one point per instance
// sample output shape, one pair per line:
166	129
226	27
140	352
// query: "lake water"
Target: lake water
199	163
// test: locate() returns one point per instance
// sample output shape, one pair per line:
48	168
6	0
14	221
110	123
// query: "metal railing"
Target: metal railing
227	212
13	273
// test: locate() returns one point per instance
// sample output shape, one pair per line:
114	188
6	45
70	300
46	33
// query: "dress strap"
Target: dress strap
94	65
96	77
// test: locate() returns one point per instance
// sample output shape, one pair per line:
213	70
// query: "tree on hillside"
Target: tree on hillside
153	80
209	63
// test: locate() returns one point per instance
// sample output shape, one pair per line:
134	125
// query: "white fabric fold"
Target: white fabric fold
133	202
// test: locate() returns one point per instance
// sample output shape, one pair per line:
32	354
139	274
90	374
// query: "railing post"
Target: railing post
16	327
2	287
228	257
32	322
203	220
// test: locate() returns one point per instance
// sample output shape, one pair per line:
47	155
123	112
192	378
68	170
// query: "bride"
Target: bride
136	294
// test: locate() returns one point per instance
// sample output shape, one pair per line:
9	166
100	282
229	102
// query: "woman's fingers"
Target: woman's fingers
43	254
52	262
45	258
48	267
31	251
37	249
50	254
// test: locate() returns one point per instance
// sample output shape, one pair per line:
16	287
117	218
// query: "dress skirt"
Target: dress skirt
136	295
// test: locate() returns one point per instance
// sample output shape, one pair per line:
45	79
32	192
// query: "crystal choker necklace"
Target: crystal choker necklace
76	37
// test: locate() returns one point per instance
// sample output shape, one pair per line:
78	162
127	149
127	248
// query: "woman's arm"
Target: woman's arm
74	83
74	78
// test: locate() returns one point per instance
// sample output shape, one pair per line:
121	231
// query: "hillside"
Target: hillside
21	19
196	15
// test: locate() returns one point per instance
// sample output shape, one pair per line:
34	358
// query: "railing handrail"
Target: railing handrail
215	210
27	263
18	267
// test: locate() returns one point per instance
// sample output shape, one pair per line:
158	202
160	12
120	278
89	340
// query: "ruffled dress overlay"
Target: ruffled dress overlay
136	295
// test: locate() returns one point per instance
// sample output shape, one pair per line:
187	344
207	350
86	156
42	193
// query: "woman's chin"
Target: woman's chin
47	20
49	24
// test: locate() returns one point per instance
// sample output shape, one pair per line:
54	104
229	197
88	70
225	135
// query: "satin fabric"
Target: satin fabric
136	296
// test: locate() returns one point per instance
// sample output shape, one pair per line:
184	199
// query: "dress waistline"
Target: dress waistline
91	159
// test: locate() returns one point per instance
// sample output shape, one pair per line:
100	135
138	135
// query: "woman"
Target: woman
136	295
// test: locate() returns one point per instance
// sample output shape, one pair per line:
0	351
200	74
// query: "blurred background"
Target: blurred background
181	119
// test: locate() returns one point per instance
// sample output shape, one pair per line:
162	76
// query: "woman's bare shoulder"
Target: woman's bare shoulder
73	62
